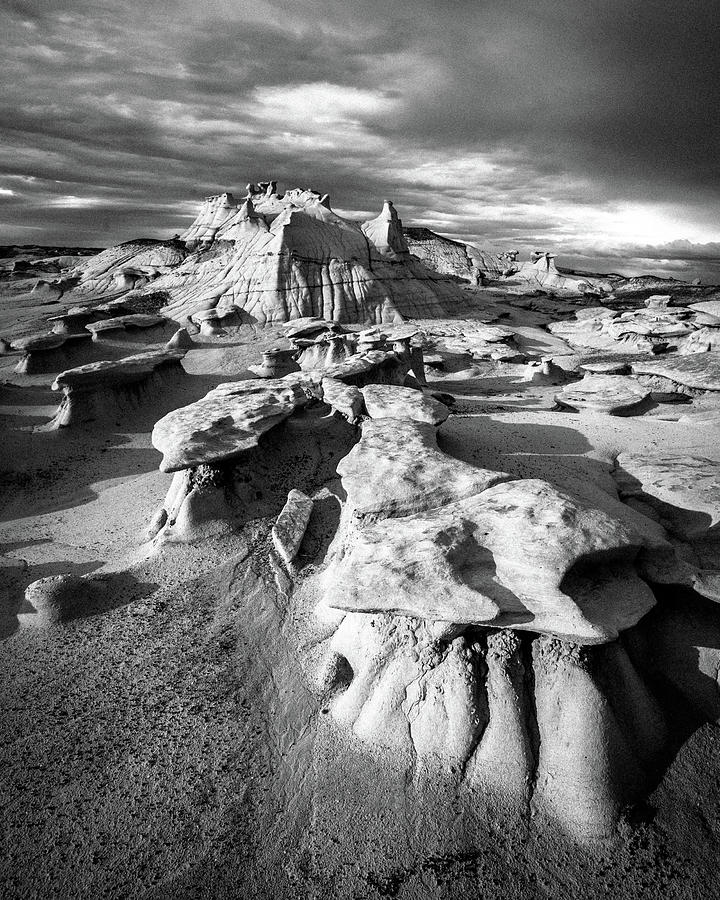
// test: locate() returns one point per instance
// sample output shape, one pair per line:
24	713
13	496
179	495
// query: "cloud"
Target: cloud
591	128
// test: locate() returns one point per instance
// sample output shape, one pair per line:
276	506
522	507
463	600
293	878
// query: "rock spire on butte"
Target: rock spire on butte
283	257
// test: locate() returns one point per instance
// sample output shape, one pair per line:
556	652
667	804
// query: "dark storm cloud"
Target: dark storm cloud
487	119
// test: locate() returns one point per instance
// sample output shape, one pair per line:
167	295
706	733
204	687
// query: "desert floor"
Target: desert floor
166	745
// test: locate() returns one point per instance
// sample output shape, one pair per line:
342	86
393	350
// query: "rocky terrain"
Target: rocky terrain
345	559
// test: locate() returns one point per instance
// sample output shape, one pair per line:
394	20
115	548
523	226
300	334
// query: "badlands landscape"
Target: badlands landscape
341	559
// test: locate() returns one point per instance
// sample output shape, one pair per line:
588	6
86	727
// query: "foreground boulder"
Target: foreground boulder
519	553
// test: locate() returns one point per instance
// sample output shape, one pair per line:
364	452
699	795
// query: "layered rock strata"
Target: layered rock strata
280	258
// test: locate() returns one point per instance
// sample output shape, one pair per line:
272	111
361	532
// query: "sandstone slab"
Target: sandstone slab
344	398
520	554
384	401
698	371
397	469
683	489
614	395
230	419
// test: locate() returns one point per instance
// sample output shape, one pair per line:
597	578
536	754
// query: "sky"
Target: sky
587	127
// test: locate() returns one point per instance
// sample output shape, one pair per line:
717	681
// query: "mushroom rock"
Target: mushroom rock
658	301
373	367
60	598
309	262
544	371
73	321
385	232
110	388
126	327
209	322
243	466
520	554
371	339
407	343
289	529
397	469
387	401
696	372
276	363
326	350
181	340
41	353
229	420
615	395
307	327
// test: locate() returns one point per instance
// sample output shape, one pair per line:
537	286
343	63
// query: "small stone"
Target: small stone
289	529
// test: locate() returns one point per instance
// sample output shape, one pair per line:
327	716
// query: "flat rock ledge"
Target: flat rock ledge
397	469
390	401
520	554
699	371
229	420
92	391
614	395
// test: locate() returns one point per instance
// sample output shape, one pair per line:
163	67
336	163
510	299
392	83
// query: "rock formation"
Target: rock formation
278	258
616	395
109	389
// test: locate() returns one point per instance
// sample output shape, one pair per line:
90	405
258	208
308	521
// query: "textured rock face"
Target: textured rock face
519	553
392	402
442	254
227	421
131	265
683	491
280	258
397	469
656	326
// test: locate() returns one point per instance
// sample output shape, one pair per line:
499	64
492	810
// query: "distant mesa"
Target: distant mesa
276	257
286	257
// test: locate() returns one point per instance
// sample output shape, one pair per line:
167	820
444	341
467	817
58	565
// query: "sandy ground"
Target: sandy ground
167	746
